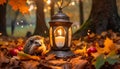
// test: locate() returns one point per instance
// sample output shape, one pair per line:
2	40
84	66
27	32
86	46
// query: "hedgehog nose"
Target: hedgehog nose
38	44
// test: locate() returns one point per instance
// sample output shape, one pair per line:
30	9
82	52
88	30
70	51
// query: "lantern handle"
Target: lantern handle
61	4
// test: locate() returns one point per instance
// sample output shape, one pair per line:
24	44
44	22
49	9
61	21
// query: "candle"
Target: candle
60	41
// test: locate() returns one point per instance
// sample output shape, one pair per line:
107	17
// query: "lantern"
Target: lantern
60	35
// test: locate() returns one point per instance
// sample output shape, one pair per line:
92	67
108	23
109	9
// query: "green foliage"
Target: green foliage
22	54
111	58
99	61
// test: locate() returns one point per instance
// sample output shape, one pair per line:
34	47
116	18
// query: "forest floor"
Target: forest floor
91	52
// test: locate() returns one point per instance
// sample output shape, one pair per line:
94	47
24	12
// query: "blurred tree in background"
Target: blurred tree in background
103	17
41	28
16	5
3	19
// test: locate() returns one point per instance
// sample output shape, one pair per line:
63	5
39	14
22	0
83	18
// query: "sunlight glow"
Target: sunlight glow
31	8
49	8
30	25
73	3
21	21
48	2
45	10
17	23
22	26
29	2
35	7
45	31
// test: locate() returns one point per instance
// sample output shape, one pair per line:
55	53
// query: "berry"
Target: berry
20	48
13	52
91	50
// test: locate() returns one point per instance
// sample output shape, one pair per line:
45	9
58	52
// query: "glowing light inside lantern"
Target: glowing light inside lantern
60	31
60	38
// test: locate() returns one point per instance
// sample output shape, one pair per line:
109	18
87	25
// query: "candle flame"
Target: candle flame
60	31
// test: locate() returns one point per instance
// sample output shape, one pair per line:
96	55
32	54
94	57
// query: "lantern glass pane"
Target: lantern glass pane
51	36
69	36
60	34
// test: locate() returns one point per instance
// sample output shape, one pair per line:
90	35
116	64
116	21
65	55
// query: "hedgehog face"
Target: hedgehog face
33	43
36	43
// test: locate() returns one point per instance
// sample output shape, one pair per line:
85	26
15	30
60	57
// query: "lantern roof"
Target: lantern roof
60	17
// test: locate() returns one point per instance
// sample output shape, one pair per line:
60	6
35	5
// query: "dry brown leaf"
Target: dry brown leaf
57	62
3	59
24	56
29	64
67	66
77	63
50	56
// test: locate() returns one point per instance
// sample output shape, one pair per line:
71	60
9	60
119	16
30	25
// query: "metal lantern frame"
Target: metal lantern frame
60	32
61	20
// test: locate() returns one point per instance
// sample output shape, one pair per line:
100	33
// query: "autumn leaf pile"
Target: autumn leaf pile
107	46
91	52
20	61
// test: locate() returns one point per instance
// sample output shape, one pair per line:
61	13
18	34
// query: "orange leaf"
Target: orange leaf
2	2
19	5
24	9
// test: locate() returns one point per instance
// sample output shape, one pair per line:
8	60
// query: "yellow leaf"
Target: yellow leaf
109	45
99	49
81	51
95	55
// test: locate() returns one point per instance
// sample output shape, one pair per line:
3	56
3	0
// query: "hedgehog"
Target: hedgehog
35	45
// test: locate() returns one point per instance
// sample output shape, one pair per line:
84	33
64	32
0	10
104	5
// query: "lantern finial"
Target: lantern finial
60	4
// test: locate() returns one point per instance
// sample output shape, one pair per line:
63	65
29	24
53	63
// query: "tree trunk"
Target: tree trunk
3	19
13	22
81	12
52	9
103	17
41	28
